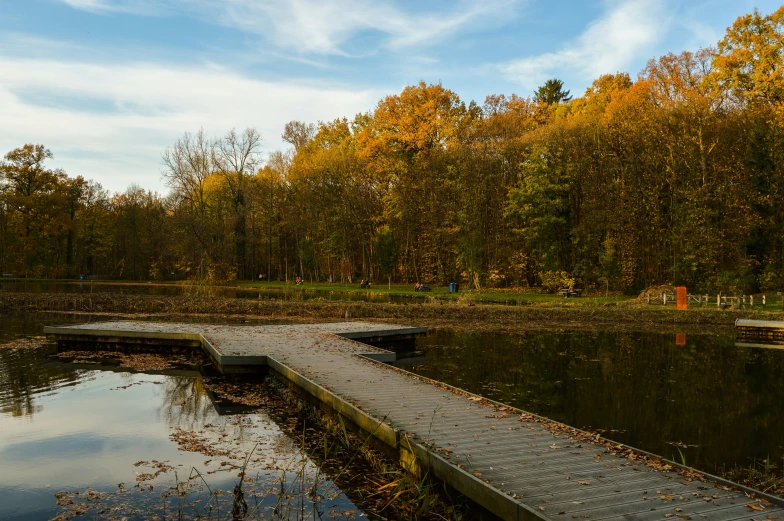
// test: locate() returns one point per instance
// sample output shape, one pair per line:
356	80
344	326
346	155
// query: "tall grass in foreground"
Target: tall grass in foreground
760	474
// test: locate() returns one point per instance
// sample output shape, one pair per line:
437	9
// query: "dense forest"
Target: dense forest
675	176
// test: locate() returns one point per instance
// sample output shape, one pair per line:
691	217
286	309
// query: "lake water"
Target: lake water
709	402
699	399
103	439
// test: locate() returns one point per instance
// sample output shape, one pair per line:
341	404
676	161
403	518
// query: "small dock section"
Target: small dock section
760	330
516	465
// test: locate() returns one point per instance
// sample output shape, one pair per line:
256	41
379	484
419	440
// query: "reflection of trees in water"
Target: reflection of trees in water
23	375
184	403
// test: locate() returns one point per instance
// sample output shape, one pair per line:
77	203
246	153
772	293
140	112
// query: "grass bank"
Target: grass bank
431	313
511	295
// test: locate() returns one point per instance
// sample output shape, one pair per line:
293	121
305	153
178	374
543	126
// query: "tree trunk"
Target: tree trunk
240	242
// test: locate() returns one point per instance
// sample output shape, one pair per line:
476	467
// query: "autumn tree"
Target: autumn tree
541	203
236	157
189	164
386	253
749	60
93	231
31	193
552	93
415	134
298	133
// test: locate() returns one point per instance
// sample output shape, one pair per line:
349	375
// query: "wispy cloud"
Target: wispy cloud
325	27
627	29
111	122
144	7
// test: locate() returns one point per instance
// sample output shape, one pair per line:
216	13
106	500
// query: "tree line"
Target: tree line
675	176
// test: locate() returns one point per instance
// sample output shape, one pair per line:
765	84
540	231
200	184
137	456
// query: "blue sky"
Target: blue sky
107	85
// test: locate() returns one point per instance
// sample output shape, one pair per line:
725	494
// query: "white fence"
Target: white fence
720	301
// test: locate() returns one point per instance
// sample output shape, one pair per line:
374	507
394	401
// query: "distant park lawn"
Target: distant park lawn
442	292
527	295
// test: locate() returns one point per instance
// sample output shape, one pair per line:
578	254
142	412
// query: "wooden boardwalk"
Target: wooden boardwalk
514	464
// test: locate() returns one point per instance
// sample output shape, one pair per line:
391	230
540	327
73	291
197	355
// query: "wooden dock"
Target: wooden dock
764	330
516	465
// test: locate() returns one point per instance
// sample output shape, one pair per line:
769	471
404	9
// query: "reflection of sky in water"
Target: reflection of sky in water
91	434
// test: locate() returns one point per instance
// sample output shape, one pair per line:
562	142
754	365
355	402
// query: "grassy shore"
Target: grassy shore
496	295
485	309
432	313
327	290
510	295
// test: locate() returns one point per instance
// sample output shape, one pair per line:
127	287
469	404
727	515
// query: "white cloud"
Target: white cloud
89	5
323	26
627	30
147	7
112	122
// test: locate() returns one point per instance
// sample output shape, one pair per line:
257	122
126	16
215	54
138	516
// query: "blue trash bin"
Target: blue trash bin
452	287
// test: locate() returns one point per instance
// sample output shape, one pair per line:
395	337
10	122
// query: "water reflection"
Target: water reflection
185	403
67	430
23	373
708	402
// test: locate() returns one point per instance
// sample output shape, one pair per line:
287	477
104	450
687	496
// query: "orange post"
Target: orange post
680	339
680	297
